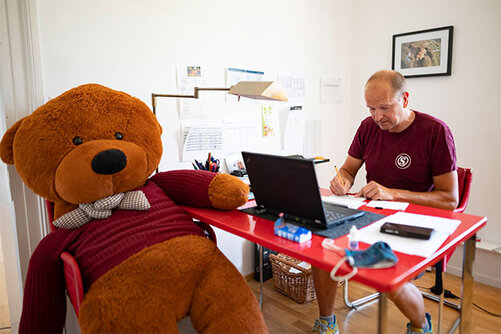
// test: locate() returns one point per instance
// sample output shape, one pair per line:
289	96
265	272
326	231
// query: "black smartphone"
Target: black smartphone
407	231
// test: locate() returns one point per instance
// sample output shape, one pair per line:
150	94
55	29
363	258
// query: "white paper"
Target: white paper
240	136
293	132
331	89
189	77
269	121
199	140
388	205
303	264
347	201
294	85
312	138
443	228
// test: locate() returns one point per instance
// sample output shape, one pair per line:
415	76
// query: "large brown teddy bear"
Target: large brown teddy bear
144	262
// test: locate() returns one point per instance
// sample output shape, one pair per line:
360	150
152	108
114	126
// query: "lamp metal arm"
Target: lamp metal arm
194	96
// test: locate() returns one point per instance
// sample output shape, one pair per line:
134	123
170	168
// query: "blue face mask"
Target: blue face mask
378	255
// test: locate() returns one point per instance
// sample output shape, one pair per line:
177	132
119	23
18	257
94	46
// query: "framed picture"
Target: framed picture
423	53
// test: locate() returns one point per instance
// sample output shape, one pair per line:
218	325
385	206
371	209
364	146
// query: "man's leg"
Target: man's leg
325	289
410	302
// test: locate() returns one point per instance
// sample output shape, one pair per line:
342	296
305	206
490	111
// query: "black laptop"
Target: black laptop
289	185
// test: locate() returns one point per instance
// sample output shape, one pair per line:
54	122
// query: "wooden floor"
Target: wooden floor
283	315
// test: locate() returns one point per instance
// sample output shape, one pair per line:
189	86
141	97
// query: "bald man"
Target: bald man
409	156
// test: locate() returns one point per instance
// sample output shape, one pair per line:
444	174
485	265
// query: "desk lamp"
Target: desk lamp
257	90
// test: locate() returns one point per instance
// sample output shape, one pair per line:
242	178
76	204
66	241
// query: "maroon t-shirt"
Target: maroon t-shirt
408	159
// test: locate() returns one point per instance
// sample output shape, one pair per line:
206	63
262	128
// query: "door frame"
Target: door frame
21	90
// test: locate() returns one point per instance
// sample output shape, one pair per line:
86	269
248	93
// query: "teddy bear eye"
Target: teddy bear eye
119	136
77	140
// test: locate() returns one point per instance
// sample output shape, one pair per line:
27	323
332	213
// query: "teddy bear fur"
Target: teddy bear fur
143	270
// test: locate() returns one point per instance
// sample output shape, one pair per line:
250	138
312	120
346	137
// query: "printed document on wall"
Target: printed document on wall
294	85
240	135
269	121
312	138
200	138
188	77
331	90
293	132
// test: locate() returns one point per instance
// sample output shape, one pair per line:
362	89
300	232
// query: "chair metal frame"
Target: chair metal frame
465	176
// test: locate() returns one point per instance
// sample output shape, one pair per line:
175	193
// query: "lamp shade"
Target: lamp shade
260	90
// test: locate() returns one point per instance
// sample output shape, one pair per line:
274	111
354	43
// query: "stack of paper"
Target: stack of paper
347	201
443	228
388	205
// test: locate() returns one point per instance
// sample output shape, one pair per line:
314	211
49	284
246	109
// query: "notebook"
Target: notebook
289	185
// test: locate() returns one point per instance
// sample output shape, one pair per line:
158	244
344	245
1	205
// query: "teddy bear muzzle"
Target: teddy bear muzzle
100	168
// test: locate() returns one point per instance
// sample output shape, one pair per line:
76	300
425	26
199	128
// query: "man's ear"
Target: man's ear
6	150
405	97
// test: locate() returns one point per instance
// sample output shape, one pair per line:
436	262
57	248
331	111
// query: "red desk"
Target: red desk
260	231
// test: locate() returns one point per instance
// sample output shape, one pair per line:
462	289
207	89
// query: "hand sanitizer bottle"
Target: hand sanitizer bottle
353	238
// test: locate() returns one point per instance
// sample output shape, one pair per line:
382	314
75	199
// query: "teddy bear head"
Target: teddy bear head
86	144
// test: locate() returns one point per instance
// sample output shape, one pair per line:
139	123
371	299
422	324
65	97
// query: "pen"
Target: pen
200	166
207	163
339	176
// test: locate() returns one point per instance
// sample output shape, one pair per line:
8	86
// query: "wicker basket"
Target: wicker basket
297	286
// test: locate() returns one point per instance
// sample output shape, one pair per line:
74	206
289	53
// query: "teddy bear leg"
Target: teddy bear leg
103	314
224	303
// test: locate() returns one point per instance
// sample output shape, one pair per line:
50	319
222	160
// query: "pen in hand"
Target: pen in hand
339	176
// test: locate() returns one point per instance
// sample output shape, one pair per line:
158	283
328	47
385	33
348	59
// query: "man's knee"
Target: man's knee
396	294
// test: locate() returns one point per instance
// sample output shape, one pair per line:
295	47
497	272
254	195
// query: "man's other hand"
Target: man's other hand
374	190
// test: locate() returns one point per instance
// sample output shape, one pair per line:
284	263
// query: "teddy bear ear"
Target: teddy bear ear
6	150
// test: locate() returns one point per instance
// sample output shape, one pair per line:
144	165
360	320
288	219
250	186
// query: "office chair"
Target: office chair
464	188
72	275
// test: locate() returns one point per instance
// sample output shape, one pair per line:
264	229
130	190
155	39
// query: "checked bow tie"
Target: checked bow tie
132	200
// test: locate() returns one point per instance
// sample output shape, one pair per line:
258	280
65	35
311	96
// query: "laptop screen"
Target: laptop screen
285	184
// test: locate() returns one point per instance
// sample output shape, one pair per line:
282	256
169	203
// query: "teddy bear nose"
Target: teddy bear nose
109	162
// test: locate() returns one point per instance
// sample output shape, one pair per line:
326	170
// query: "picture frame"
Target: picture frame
423	53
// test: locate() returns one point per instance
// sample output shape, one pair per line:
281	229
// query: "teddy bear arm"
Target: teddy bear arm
203	189
186	187
44	300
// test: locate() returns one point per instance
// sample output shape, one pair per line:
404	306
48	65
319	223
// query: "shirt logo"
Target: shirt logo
403	161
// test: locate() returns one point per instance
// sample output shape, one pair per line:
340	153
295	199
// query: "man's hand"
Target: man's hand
338	188
374	190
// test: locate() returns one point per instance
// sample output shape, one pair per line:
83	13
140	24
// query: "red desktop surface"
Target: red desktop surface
260	231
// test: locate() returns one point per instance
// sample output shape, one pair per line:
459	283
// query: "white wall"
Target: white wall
135	46
468	100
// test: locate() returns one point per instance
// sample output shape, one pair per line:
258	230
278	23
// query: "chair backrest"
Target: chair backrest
464	188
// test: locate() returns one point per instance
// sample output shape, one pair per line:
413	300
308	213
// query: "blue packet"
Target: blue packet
290	231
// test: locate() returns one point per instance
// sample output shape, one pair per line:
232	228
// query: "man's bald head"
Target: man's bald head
393	78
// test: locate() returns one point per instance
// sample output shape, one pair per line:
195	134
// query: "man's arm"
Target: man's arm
443	196
347	173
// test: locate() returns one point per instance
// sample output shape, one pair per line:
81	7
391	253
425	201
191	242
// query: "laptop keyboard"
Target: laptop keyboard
333	216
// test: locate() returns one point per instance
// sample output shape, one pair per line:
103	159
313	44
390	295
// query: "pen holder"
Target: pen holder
297	285
211	164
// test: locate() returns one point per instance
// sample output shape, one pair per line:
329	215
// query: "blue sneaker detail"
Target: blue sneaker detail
428	329
323	327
